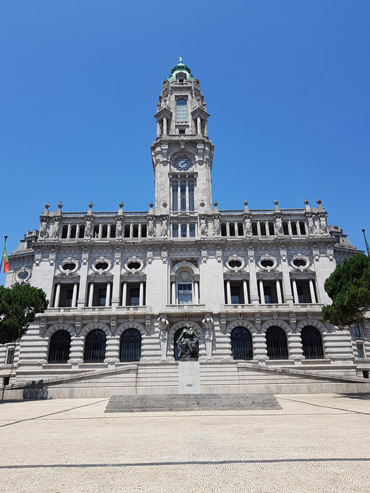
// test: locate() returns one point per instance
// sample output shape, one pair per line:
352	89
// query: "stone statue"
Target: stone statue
188	343
203	226
43	228
323	226
88	228
151	230
216	226
164	228
248	227
55	232
119	227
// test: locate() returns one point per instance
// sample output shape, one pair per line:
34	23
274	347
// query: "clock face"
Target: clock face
182	163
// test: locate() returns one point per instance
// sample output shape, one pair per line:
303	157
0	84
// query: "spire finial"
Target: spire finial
180	59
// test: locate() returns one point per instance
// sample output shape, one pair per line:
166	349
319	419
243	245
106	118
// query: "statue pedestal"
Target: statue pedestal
189	377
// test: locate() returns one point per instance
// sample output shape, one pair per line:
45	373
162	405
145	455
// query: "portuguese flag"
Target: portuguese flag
5	260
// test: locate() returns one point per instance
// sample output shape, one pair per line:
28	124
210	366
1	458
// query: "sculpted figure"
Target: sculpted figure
43	228
164	228
203	226
188	343
119	228
216	226
151	231
323	226
55	233
88	228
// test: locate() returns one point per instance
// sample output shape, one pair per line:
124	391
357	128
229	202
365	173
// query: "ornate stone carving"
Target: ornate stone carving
164	228
203	226
43	228
151	227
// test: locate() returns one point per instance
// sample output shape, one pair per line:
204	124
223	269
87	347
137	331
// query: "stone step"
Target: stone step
190	402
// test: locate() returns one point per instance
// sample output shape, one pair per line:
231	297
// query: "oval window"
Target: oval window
235	263
134	265
101	265
267	263
299	262
69	266
23	275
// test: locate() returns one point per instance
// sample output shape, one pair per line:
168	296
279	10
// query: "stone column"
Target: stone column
253	279
124	294
312	291
164	126
83	280
107	297
57	296
290	228
196	293
295	350
91	294
116	279
245	292
287	289
295	292
76	352
259	346
173	293
141	294
278	291
198	126
77	231
74	295
228	293
69	231
262	292
158	129
112	349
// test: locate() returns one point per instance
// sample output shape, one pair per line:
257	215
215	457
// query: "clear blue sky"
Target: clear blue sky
287	85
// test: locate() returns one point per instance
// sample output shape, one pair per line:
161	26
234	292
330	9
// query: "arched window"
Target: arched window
312	343
240	229
271	229
191	195
182	111
277	347
263	229
130	345
223	229
302	228
241	343
285	228
183	195
60	344
95	346
175	199
232	229
65	231
254	229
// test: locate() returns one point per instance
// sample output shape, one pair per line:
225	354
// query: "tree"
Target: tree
349	288
18	308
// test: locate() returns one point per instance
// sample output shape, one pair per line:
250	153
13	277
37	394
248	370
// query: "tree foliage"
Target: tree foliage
18	308
349	288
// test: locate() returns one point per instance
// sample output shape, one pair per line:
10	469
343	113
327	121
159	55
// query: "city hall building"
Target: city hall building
122	286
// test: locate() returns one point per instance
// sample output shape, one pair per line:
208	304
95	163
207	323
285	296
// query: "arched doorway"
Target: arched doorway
95	344
60	344
277	347
241	343
130	345
312	343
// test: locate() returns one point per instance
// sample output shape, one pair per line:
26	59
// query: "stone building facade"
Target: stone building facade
122	284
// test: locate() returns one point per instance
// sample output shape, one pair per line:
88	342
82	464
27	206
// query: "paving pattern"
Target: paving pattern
315	443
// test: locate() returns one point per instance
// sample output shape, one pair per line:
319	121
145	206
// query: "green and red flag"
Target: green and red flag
5	260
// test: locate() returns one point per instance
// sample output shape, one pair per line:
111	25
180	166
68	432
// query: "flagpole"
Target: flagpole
2	256
367	245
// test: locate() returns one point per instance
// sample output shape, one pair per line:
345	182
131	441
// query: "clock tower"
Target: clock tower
182	153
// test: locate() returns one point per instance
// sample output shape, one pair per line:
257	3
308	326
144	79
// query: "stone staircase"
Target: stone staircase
191	402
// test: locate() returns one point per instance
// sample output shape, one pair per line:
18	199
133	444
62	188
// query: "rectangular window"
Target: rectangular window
183	231
175	230
102	296
270	293
133	295
10	356
183	195
192	230
303	291
184	294
175	198
235	295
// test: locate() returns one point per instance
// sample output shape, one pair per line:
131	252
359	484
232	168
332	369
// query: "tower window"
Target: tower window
182	110
175	230
182	132
191	195
183	195
183	231
175	188
184	294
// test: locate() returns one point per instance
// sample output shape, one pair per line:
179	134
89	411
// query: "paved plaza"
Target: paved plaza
315	443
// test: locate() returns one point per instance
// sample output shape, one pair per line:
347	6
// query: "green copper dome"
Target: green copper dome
180	67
